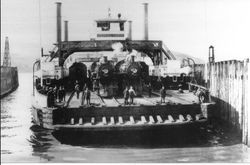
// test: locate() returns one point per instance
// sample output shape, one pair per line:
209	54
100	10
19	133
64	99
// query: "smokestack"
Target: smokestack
58	22
59	30
145	21
211	54
65	30
130	30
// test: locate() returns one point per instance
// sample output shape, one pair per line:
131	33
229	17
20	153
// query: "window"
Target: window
105	26
174	78
48	81
121	26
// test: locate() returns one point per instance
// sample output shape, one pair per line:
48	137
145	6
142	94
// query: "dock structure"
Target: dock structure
228	84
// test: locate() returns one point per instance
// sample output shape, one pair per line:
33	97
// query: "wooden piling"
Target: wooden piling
229	86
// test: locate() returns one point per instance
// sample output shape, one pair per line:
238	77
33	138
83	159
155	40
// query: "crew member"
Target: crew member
132	94
87	95
180	90
163	94
55	90
126	96
50	97
61	94
77	89
149	89
83	94
98	87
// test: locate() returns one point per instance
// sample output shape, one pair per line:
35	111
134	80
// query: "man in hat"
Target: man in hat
50	97
126	96
77	89
87	95
132	94
163	94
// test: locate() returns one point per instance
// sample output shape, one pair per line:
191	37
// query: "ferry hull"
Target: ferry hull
85	119
152	135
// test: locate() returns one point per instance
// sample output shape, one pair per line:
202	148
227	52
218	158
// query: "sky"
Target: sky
186	26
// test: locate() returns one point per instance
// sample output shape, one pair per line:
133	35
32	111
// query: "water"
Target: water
21	141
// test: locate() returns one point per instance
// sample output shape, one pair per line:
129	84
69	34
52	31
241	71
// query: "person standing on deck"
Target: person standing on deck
163	94
52	96
46	90
87	95
126	96
98	87
149	89
83	94
49	97
55	92
61	94
132	94
77	89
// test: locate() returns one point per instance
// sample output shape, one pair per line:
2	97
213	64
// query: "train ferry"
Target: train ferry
101	68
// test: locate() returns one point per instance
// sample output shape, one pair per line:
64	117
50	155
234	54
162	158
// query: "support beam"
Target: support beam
145	21
66	33
130	30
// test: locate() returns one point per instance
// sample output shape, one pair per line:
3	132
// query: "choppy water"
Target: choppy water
21	141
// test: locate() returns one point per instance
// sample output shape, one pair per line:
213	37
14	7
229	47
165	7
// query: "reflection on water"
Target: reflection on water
21	141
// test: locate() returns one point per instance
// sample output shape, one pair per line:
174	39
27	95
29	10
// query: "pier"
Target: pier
228	86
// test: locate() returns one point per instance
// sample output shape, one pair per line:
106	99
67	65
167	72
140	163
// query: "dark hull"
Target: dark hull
145	118
9	80
151	136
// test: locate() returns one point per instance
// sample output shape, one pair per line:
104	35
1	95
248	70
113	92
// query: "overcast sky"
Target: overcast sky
186	26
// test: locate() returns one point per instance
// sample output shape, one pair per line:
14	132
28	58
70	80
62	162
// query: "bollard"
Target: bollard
151	119
104	120
159	119
92	120
181	118
132	120
112	120
120	120
143	119
170	118
189	118
72	121
80	121
197	117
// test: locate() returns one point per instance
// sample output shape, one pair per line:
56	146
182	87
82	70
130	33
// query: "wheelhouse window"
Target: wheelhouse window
121	26
48	81
105	26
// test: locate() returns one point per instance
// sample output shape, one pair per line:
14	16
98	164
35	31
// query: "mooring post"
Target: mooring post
246	108
210	63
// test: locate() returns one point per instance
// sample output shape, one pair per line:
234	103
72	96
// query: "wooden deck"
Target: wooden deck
173	97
